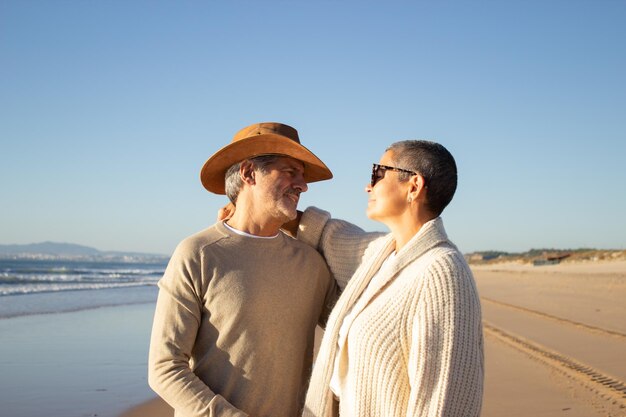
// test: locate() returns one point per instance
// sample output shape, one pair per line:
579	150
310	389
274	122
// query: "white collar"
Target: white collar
242	233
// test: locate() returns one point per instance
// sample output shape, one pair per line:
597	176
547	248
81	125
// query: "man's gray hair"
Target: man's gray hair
233	181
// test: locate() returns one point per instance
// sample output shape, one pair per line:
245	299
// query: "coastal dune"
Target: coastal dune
555	341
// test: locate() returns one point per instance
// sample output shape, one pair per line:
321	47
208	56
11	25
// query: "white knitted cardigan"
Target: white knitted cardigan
415	343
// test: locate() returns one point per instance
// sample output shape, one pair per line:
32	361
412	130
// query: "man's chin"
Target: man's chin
286	214
291	215
290	210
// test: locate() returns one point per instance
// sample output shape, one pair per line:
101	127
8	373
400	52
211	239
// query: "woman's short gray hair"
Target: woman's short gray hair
435	163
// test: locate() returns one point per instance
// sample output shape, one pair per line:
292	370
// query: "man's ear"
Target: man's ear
246	172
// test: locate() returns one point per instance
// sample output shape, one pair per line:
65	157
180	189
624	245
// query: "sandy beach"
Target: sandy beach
555	341
555	345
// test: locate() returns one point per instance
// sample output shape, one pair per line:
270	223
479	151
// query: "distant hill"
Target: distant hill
56	250
49	248
543	256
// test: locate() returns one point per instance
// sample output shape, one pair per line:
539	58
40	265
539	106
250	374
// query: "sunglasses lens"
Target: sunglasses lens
377	174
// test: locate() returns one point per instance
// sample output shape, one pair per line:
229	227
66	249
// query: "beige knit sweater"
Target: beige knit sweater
234	325
414	346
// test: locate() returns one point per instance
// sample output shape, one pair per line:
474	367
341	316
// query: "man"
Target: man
238	304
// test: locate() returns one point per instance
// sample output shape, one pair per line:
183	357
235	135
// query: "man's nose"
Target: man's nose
300	184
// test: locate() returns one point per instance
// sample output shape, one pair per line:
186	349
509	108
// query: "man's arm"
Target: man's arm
176	322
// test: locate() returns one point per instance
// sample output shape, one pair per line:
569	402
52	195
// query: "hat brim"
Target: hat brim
214	170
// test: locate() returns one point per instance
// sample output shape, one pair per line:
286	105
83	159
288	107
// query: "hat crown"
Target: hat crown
267	128
267	138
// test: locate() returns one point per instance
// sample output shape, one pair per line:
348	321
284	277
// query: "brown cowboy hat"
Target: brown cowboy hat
261	139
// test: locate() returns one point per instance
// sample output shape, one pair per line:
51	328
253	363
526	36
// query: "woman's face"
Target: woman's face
388	198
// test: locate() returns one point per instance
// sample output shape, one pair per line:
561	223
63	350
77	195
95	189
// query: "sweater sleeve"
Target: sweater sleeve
446	353
176	323
341	243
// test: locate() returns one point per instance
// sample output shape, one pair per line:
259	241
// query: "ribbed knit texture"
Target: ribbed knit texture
234	325
415	345
344	242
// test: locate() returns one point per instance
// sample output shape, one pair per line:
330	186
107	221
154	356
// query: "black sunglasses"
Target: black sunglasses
378	172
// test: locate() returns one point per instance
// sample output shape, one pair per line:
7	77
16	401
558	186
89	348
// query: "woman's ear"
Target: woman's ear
421	183
417	188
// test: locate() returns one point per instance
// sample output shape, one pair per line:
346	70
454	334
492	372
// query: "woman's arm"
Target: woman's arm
341	243
446	354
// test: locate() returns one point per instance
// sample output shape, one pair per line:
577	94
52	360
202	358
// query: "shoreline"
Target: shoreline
154	407
14	306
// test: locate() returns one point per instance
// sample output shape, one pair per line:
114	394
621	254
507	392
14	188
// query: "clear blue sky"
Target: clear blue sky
108	109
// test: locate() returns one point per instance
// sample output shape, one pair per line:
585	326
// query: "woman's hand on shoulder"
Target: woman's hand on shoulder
226	212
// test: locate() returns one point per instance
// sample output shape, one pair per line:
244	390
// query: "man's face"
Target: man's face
278	191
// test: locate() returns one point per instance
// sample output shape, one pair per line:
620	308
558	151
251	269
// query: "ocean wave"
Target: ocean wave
13	279
40	287
30	277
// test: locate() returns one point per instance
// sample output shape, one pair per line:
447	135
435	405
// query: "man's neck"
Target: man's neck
246	221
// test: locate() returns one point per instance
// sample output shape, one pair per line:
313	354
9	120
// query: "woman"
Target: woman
405	337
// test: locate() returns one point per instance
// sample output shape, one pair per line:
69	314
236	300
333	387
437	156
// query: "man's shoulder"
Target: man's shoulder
297	244
198	241
308	251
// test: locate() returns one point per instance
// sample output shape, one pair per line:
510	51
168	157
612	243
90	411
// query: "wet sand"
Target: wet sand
72	364
555	341
156	407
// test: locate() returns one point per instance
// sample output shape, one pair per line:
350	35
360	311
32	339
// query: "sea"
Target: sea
74	336
40	286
